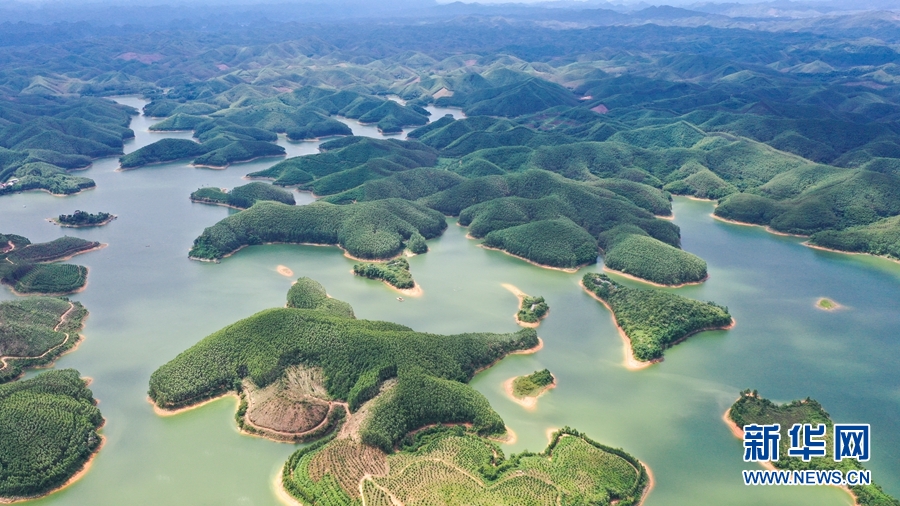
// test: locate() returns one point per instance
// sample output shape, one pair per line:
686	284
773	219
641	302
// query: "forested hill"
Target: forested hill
792	125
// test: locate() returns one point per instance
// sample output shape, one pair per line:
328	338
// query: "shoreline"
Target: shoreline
126	169
529	402
804	243
570	270
104	222
738	432
630	361
764	227
521	296
651	482
647	281
539	346
57	194
510	438
223	167
415	291
699	199
345	252
177	411
73	255
832	250
214	203
281	493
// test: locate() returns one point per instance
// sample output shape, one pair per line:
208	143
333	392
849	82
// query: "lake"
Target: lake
148	303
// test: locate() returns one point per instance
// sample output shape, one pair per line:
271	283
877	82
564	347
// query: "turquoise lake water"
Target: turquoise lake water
148	303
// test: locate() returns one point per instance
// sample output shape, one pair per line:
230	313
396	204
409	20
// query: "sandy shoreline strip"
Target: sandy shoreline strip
521	296
642	280
223	167
629	360
805	243
651	482
509	439
284	271
738	432
529	351
832	250
570	270
172	412
346	253
764	227
95	248
283	496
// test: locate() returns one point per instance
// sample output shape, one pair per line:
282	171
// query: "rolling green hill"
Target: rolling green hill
35	331
370	230
26	270
654	320
49	431
244	196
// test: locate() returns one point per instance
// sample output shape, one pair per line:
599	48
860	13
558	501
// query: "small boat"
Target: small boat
400	299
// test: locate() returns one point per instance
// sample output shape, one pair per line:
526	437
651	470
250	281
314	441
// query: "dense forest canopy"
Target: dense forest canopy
789	123
573	125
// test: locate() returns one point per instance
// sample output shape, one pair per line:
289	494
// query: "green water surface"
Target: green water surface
148	303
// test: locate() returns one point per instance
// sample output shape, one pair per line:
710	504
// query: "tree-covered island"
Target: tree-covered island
654	320
80	219
526	389
394	272
384	395
751	408
531	309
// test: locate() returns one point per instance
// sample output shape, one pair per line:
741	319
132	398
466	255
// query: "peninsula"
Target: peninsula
653	320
